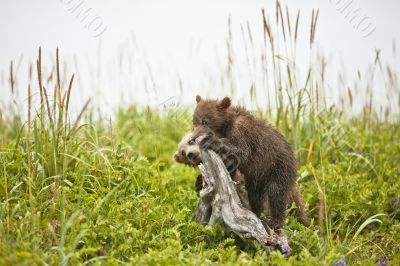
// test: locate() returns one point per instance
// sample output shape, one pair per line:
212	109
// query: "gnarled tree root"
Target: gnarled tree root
219	201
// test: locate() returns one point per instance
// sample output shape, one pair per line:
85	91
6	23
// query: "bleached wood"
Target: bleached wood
219	201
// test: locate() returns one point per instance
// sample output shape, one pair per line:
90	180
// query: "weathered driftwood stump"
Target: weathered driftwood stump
219	201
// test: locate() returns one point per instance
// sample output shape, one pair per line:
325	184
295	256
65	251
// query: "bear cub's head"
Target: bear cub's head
212	116
188	150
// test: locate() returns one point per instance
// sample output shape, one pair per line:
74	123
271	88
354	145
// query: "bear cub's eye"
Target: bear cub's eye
191	142
204	122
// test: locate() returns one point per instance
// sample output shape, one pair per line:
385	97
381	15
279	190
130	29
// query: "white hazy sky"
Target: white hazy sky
168	30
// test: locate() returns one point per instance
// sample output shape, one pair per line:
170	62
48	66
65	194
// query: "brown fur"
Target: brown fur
300	212
254	147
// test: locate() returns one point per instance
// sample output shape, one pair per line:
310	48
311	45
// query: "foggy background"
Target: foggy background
174	43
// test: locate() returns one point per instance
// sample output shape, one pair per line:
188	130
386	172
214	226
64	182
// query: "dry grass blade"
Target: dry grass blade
245	45
39	75
55	103
68	93
30	72
288	21
350	97
58	69
11	78
377	56
29	107
315	24
249	33
48	105
60	102
282	22
81	113
296	26
267	29
321	210
311	27
229	48
314	19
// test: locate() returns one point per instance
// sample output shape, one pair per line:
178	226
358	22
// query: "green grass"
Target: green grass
113	195
95	191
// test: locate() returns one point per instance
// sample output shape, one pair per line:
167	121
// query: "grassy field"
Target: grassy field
96	191
110	193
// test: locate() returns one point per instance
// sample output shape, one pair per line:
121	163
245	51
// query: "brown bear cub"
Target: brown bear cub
258	150
188	153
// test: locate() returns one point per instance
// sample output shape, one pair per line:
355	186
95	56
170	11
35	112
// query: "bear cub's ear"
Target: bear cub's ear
198	99
224	103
